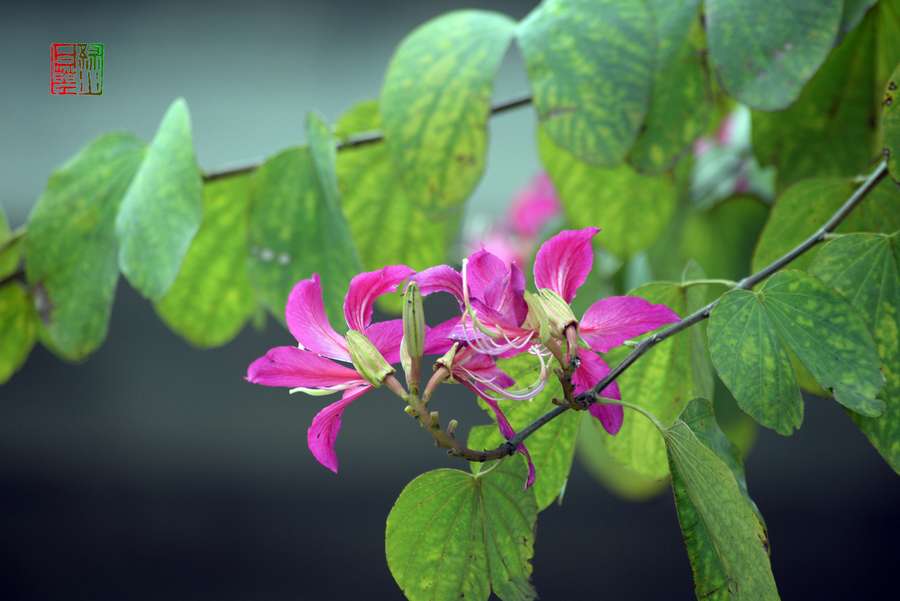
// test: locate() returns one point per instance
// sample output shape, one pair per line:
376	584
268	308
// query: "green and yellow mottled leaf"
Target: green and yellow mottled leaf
631	209
387	227
71	243
890	121
765	51
804	207
163	207
212	298
296	231
435	105
680	104
832	129
18	328
750	333
864	269
591	67
552	447
721	239
725	538
664	380
452	535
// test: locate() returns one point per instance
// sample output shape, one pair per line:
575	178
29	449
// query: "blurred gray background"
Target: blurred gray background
153	471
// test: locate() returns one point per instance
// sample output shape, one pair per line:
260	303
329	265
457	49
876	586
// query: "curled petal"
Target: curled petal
508	432
326	425
441	278
506	297
297	368
592	370
564	261
482	271
365	287
386	336
308	322
611	321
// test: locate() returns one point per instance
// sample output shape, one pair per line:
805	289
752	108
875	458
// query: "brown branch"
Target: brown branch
361	140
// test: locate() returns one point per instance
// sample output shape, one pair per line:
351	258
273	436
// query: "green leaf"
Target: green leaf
600	464
163	207
724	535
721	239
297	230
436	101
212	298
890	121
10	248
591	67
662	382
18	328
751	332
854	11
632	209
452	535
804	207
387	227
864	268
832	128
552	447
765	51
680	105
71	243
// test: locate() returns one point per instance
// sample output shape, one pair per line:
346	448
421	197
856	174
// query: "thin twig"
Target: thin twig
747	283
361	140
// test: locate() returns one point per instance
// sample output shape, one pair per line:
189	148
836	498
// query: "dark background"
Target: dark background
153	471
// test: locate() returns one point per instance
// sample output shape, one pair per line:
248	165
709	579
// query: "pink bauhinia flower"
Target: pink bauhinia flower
321	363
534	207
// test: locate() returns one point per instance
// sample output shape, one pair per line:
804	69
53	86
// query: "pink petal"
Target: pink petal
534	207
506	296
483	270
292	367
441	278
482	366
308	322
502	245
592	370
437	339
564	262
386	336
365	288
611	321
508	432
326	425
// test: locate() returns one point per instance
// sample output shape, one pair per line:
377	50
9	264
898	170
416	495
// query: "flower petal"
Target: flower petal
506	296
564	261
482	366
386	336
365	287
326	425
441	278
534	207
308	322
297	368
437	338
592	370
508	432
484	268
611	321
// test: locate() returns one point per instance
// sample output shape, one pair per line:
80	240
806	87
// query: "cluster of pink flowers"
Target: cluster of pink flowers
498	319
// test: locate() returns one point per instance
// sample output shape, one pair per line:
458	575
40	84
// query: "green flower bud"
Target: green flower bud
413	321
367	360
537	317
559	313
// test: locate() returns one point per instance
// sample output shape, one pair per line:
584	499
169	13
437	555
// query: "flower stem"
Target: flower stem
729	283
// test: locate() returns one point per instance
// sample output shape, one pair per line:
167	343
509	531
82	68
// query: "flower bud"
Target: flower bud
367	359
413	321
536	319
559	313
